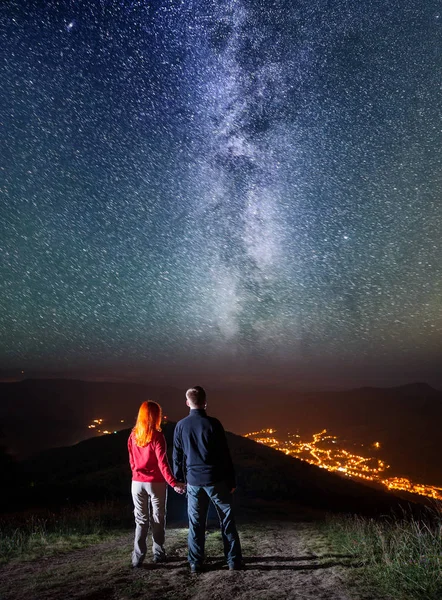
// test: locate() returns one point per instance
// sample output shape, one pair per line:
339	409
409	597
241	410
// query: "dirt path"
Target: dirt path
283	561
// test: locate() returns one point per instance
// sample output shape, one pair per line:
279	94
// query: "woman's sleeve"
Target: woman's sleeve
163	462
131	458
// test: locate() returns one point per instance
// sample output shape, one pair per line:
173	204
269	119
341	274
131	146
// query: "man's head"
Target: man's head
196	397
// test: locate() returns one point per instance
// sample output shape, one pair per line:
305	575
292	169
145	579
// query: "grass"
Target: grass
402	557
29	536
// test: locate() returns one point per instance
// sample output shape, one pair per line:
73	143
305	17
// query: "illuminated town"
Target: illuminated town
98	427
324	451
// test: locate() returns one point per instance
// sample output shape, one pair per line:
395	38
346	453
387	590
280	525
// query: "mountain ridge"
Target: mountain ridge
97	469
37	414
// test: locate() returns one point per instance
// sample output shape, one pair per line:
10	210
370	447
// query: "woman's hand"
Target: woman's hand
180	488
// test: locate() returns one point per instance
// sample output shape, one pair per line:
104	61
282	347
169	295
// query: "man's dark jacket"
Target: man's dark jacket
200	452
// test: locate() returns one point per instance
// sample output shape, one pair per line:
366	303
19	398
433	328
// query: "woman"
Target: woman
150	472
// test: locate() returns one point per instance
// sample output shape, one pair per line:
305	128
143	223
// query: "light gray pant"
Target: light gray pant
149	506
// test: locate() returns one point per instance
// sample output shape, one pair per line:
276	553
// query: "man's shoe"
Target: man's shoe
236	567
195	568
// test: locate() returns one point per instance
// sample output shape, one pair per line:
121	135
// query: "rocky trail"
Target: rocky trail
283	560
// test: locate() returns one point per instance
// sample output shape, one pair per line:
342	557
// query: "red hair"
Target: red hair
148	420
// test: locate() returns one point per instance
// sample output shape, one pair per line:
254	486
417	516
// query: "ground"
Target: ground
284	560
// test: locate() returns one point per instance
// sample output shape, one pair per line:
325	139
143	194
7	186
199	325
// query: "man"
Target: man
202	458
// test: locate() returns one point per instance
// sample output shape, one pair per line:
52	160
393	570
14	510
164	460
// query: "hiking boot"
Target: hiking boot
195	568
160	559
236	567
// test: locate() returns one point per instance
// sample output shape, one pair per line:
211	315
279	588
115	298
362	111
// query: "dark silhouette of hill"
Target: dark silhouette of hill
97	469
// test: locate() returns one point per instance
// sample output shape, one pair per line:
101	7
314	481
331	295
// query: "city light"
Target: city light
96	424
326	452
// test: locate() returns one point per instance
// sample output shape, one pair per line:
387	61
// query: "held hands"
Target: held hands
180	488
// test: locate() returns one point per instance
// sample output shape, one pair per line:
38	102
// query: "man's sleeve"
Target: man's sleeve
226	458
178	455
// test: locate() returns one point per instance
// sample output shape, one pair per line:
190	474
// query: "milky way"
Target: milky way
251	186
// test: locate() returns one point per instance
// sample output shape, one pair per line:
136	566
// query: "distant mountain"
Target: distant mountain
98	468
42	413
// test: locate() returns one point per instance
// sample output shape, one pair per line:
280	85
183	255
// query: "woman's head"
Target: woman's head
148	420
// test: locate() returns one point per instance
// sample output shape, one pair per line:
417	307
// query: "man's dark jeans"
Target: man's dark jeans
198	498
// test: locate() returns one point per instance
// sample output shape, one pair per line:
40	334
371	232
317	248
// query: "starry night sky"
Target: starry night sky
234	190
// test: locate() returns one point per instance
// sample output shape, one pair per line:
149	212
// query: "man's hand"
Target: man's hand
180	488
